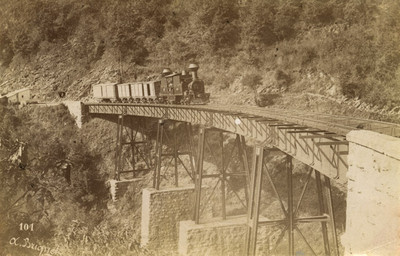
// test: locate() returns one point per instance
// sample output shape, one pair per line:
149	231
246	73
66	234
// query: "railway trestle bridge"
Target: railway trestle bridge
328	145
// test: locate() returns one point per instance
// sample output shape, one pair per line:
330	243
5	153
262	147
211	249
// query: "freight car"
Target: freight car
105	92
137	92
172	88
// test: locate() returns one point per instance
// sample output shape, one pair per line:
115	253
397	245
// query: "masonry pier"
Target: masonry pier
218	237
119	187
373	196
161	212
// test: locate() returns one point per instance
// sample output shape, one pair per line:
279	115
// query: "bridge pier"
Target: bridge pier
291	220
77	111
223	175
175	155
316	140
132	147
373	195
218	237
118	188
161	212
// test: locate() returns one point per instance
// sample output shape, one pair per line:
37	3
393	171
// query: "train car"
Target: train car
153	88
172	88
182	88
146	92
124	92
196	93
134	92
137	92
105	92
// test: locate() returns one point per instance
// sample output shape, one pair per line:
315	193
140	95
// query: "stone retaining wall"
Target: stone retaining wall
373	197
77	111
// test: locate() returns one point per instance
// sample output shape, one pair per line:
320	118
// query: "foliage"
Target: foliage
47	174
6	51
355	41
251	80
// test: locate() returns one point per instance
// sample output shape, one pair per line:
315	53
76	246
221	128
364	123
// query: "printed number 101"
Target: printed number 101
26	227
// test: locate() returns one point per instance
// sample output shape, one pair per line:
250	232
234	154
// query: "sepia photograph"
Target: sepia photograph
199	127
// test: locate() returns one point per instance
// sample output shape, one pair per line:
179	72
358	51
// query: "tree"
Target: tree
34	185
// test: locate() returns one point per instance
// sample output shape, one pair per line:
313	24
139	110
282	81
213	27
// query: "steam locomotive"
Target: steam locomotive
172	88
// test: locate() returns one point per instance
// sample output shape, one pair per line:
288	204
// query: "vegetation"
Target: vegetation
48	166
48	177
53	178
353	43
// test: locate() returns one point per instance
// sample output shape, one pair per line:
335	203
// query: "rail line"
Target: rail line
315	139
340	125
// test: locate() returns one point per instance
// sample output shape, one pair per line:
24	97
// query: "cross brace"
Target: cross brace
164	137
291	221
223	161
132	147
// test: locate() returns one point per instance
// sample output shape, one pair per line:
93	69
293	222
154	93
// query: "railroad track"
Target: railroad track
318	140
340	125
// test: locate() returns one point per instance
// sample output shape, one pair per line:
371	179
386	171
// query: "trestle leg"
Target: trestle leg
158	149
223	176
127	137
331	213
174	155
254	201
199	174
223	159
291	220
118	149
322	211
241	144
289	169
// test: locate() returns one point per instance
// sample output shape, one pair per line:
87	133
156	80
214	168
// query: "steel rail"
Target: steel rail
317	140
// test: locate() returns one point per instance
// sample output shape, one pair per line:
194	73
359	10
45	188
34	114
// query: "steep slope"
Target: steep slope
273	51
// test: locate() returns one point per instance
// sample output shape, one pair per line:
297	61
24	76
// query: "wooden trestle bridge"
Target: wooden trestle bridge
317	140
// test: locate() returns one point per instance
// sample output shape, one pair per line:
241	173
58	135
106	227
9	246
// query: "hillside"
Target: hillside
329	55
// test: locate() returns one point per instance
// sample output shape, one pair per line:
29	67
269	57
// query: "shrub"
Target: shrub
24	44
6	51
283	80
251	80
352	90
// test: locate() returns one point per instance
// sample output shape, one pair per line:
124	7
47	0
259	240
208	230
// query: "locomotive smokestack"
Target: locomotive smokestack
193	68
166	71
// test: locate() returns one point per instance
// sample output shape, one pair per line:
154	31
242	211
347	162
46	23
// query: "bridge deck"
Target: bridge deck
315	139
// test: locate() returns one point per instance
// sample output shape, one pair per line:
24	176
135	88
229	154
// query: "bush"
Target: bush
251	80
352	90
6	51
55	175
24	44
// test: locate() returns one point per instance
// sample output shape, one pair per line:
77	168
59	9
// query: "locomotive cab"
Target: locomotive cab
173	87
181	88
